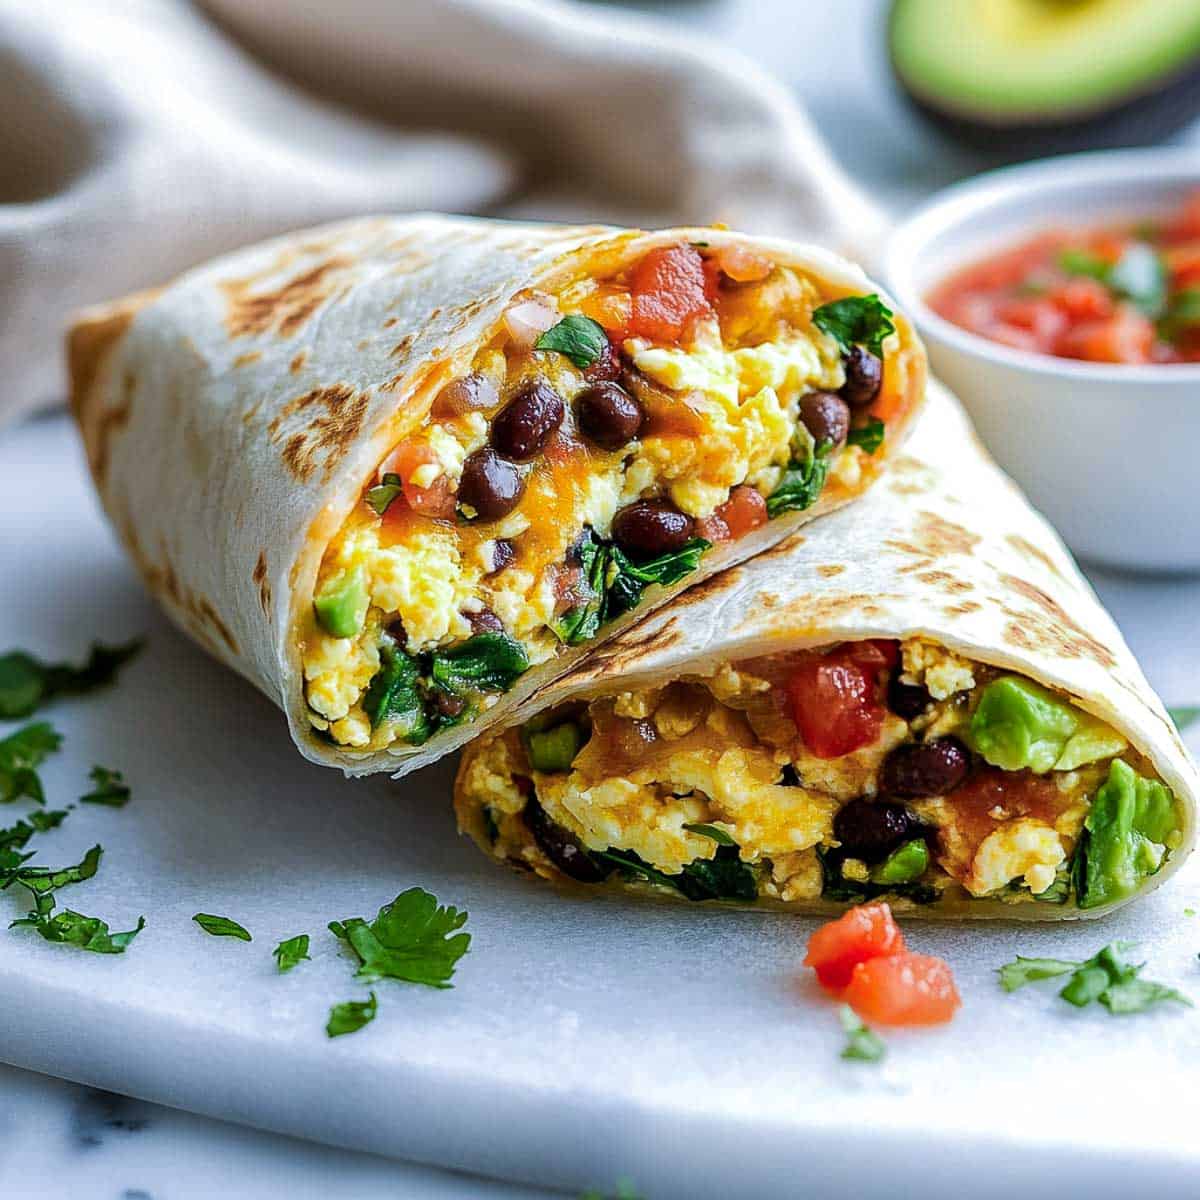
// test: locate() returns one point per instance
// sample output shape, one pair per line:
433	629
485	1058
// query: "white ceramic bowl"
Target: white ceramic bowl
1111	454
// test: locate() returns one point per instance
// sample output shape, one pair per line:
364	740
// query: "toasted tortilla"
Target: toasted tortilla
232	419
945	548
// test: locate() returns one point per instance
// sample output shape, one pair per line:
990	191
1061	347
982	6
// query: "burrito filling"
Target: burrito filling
602	442
872	768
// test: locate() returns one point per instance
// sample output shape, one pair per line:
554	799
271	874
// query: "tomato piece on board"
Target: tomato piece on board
903	989
833	698
669	288
866	932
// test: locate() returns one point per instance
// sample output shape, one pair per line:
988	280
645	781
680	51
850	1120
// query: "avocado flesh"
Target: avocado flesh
995	65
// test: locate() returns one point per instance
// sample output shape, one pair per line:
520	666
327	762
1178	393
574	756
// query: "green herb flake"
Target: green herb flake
48	879
111	788
75	929
718	835
221	926
26	683
580	338
869	436
21	753
291	952
1139	275
862	1044
487	662
722	877
856	320
1105	977
801	483
413	939
393	696
381	496
351	1016
1185	716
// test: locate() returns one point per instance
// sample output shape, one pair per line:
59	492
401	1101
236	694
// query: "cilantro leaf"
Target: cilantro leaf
1182	315
487	662
1137	995
351	1016
221	926
869	436
1077	261
856	320
862	1044
39	821
110	789
381	496
1139	275
21	753
718	835
1183	717
48	879
580	338
291	952
26	683
412	939
74	929
801	483
1021	971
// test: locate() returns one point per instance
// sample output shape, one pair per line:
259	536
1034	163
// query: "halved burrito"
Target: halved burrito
919	699
400	472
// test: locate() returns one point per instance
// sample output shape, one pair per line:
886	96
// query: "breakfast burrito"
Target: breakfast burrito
400	472
918	698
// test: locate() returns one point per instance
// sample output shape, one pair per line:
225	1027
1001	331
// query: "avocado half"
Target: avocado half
1047	75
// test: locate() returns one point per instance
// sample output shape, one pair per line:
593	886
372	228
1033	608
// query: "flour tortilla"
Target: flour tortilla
947	548
232	419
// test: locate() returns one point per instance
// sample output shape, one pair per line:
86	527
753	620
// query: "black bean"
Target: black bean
930	768
871	830
491	485
485	621
523	425
468	394
448	705
561	846
864	376
907	700
826	417
790	776
397	631
607	366
503	555
609	415
651	527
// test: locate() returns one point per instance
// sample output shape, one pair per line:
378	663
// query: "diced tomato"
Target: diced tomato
435	500
1041	318
1125	337
713	529
610	307
866	932
833	698
742	265
745	510
669	291
1082	299
903	989
1186	223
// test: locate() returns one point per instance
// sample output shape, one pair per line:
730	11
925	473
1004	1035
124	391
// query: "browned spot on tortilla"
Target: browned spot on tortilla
390	322
362	344
244	360
1026	548
1048	626
403	346
938	537
210	615
962	609
297	363
262	583
251	412
93	336
406	258
108	422
283	309
829	570
335	416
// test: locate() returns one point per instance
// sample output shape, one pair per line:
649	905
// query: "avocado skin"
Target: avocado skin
1142	119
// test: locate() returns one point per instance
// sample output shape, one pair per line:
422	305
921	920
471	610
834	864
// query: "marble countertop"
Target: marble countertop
61	1139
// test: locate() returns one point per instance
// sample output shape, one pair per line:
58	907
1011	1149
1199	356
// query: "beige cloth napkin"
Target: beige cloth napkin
142	136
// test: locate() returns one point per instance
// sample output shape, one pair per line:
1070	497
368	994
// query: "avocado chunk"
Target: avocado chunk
553	749
1019	725
341	604
904	864
1131	822
394	695
1029	76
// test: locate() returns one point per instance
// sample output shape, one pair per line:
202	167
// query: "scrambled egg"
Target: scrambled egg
941	671
1024	848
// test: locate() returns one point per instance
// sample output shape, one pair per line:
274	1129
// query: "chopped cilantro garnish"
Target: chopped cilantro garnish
26	683
718	835
21	753
580	338
291	951
380	496
110	789
74	929
1183	717
862	1044
412	939
221	926
856	320
869	436
48	879
1105	977
351	1016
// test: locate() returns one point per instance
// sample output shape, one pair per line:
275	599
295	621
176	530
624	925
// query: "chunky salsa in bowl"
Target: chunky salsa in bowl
1124	292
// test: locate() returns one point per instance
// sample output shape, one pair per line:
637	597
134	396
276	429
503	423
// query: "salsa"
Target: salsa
1114	294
